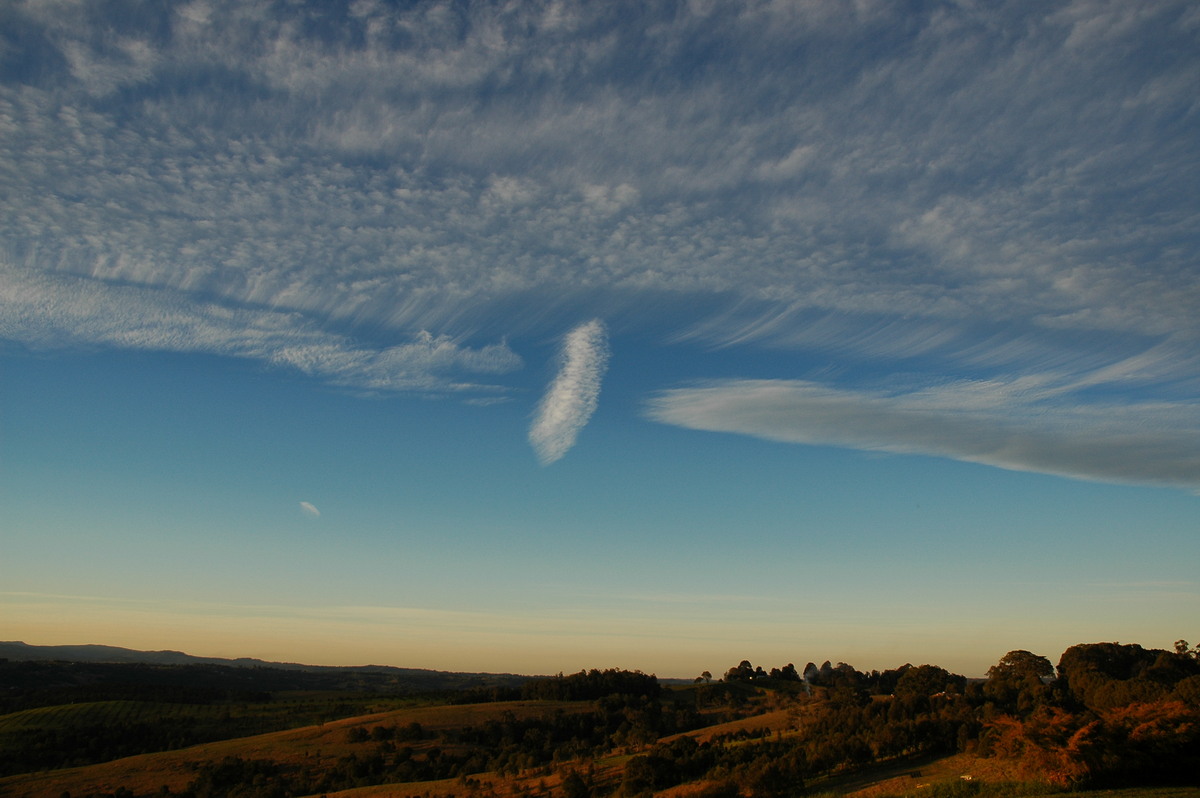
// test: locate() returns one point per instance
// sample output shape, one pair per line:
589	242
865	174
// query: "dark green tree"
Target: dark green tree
1022	663
1017	684
743	671
924	680
575	786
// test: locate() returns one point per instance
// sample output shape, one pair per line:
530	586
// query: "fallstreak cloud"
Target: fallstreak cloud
375	195
573	395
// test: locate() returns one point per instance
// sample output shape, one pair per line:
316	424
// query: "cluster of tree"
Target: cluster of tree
614	721
410	732
1107	675
764	769
844	678
593	684
1142	742
1114	714
235	777
50	748
744	671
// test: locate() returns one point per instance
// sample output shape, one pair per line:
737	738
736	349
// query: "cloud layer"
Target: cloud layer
394	197
573	395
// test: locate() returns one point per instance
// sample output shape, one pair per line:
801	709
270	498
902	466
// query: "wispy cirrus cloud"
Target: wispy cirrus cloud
310	510
1034	423
573	395
50	310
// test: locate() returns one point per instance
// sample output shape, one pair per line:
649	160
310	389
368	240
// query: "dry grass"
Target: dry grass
538	783
307	745
779	721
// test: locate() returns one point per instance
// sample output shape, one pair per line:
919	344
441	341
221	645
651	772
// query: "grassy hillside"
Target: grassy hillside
67	735
1115	716
316	747
311	747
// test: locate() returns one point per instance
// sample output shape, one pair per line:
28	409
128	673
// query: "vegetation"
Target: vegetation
1109	716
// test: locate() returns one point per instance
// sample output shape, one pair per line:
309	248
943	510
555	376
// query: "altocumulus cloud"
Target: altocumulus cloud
947	189
573	395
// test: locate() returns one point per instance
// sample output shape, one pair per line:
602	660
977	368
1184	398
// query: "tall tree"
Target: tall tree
1022	663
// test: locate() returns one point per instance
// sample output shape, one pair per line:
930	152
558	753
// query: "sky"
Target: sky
539	336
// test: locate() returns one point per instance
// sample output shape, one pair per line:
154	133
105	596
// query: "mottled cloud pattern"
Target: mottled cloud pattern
573	395
399	197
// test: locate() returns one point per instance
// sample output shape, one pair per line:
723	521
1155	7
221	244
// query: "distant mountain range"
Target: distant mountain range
18	651
362	675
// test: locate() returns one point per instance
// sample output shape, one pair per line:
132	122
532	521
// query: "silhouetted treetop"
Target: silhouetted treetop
1022	663
1105	675
593	684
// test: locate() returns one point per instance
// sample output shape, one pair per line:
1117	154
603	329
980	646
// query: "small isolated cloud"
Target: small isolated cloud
310	510
572	397
1022	425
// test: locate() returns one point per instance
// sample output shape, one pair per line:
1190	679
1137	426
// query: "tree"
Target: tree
742	672
1017	683
923	680
788	673
647	773
574	786
1022	663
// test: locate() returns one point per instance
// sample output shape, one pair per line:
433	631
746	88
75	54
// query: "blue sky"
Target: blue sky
545	336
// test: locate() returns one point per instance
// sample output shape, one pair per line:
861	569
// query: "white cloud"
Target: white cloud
45	311
902	175
573	395
1024	424
310	510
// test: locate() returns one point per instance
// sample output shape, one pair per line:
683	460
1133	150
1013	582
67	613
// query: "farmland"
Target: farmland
1113	717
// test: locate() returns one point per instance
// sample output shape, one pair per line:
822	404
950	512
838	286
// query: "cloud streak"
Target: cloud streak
50	310
310	510
573	395
1024	424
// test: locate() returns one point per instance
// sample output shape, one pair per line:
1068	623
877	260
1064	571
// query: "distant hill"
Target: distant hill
23	652
17	651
